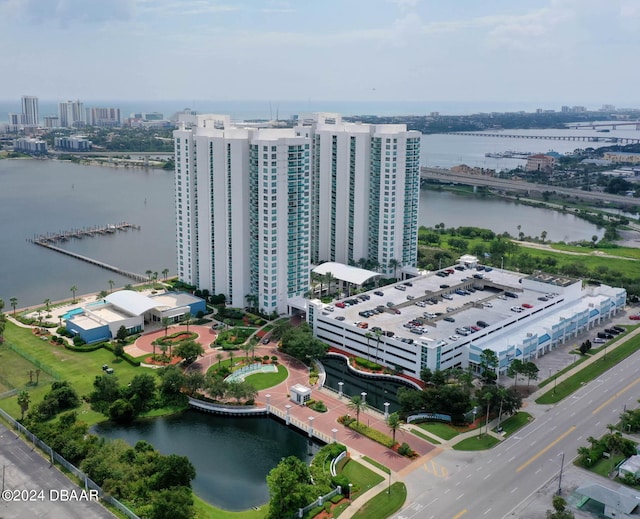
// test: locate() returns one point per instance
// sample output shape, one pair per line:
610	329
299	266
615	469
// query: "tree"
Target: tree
219	357
118	349
165	273
369	336
172	502
111	283
515	369
121	411
24	399
328	279
194	380
290	488
166	322
189	351
530	370
559	509
300	343
394	264
141	391
148	272
74	289
488	364
543	235
105	392
14	302
378	335
393	422
356	405
121	335
173	471
186	319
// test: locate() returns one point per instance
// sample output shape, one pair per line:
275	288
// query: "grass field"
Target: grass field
384	504
361	477
441	430
474	443
623	252
265	380
376	464
515	423
15	370
206	511
425	437
80	369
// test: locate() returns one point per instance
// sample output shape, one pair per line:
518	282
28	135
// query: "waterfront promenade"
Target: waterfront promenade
323	423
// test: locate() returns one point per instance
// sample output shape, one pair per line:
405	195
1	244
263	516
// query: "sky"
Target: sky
549	52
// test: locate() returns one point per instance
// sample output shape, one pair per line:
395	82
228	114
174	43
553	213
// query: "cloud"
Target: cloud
65	12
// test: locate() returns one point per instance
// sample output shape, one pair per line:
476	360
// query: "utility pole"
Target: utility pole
560	478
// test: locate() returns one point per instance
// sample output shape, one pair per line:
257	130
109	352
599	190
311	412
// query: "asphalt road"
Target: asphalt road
491	484
33	488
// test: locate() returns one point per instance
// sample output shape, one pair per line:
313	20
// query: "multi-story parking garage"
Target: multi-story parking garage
447	318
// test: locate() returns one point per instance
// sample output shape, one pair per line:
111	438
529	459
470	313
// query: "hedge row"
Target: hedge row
367	431
128	358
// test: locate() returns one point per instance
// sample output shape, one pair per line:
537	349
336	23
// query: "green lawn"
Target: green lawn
590	372
205	511
361	477
376	464
623	252
474	443
441	430
425	437
515	422
80	369
604	466
265	380
15	370
384	504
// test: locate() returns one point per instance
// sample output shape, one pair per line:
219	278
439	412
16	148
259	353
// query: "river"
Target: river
40	196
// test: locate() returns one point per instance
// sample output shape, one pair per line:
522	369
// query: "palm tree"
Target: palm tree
148	273
187	319
165	273
393	422
23	401
163	349
231	357
74	289
378	334
155	276
47	304
165	324
328	278
394	264
111	283
543	235
219	357
14	303
315	277
356	404
369	336
615	443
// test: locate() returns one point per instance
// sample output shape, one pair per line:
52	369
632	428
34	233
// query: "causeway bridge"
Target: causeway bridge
587	138
447	176
613	125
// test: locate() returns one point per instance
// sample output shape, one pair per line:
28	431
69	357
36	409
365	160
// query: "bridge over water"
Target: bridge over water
588	138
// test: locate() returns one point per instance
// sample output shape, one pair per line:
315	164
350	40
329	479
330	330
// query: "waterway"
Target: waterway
378	391
40	196
232	456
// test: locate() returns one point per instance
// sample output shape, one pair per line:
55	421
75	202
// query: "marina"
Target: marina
82	233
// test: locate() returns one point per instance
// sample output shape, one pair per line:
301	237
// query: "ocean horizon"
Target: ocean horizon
284	109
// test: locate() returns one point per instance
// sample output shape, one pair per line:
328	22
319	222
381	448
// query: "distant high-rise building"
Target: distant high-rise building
564	109
30	111
104	117
255	207
71	114
51	121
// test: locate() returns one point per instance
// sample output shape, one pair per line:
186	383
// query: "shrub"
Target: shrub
342	481
78	341
405	450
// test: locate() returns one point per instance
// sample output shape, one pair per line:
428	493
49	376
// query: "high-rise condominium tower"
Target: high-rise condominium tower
71	113
30	111
255	207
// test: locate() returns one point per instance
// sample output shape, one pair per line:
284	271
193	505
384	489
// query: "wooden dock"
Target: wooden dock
54	237
47	241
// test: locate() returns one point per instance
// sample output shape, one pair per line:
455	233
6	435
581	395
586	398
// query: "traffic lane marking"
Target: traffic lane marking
622	391
554	442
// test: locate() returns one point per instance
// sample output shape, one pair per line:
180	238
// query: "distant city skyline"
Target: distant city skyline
544	53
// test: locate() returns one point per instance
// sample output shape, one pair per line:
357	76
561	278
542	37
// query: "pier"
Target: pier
82	233
47	241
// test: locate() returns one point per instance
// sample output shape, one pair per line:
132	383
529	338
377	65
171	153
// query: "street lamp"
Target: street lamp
560	478
350	496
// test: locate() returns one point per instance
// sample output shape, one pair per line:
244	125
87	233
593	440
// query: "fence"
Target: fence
56	458
320	501
34	361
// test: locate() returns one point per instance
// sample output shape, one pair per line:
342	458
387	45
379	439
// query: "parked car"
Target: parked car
635	317
454	338
511	294
619	329
447	296
482	324
611	331
449	319
410	297
516	309
341	305
379	293
526	305
487	304
265	340
543	298
598	340
459	267
444	286
421	304
340	318
604	335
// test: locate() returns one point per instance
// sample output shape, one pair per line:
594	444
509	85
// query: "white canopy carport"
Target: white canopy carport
354	275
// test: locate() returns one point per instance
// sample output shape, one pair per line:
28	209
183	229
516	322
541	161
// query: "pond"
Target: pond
232	456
